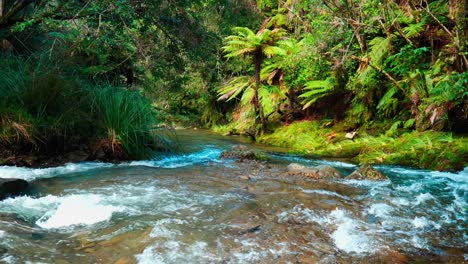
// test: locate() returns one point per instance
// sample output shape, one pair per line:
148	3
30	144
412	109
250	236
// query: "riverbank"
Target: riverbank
428	150
441	151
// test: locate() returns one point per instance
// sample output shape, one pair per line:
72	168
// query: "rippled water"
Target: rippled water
195	208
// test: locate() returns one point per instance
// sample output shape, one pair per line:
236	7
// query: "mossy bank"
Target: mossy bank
428	150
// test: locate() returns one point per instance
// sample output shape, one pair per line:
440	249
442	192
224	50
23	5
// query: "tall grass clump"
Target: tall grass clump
48	110
125	118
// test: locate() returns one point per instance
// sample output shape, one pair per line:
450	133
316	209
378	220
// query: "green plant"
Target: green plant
125	118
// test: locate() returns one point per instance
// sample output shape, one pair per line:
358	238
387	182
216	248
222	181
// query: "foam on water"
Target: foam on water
424	197
161	228
348	236
60	211
325	192
380	210
30	174
77	210
208	154
422	222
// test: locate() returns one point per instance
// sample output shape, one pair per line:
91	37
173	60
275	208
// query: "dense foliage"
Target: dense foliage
363	61
251	66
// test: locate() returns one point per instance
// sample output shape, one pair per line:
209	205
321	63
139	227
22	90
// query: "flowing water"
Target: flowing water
196	208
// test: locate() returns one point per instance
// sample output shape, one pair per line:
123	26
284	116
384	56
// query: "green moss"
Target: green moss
431	150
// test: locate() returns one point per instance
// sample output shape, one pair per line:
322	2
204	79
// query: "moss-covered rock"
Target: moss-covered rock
367	172
241	153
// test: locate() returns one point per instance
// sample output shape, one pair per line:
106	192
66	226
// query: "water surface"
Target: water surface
193	207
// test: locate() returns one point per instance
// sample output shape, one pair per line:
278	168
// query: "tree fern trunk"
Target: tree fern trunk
260	122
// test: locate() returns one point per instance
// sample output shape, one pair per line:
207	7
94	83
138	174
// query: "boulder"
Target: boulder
367	172
241	153
12	187
327	172
319	172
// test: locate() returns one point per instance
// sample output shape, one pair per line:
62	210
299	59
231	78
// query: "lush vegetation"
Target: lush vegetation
110	72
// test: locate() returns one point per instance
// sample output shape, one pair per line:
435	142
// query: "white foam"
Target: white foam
29	207
300	214
348	236
380	210
424	197
336	164
161	228
8	259
422	222
325	192
461	177
176	252
32	174
400	201
178	161
2	233
418	242
77	210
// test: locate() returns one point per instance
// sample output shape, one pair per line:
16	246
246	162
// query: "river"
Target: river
192	207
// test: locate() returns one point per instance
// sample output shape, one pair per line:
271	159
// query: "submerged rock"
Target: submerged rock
367	172
319	172
12	187
241	153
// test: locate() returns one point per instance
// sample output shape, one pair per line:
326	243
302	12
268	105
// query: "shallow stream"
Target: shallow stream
195	208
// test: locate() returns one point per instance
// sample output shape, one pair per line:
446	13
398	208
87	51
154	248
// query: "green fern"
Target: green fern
414	30
316	90
234	88
388	104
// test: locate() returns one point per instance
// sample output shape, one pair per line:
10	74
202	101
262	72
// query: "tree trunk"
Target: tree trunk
459	13
260	122
2	2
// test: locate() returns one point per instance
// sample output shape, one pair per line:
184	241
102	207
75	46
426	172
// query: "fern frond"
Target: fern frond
316	90
234	88
414	30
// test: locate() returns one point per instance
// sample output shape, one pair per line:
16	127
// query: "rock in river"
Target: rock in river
319	172
12	187
367	172
241	153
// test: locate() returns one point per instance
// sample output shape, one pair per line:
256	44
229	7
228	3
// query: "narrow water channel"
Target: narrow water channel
195	208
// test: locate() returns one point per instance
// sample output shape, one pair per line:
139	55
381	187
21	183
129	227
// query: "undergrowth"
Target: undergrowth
44	109
430	150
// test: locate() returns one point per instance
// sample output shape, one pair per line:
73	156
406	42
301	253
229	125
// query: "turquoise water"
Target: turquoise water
193	207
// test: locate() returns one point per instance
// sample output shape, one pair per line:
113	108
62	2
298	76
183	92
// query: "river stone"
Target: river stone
12	187
319	172
367	172
241	153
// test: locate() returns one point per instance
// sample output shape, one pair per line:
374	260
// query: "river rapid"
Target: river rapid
193	207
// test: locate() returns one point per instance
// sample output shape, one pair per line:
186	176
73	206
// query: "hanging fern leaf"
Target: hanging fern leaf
414	30
316	90
234	88
409	123
387	103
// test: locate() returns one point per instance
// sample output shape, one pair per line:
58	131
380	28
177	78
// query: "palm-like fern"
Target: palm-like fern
258	46
316	90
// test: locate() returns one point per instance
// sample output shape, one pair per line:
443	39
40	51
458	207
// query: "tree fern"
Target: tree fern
316	90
